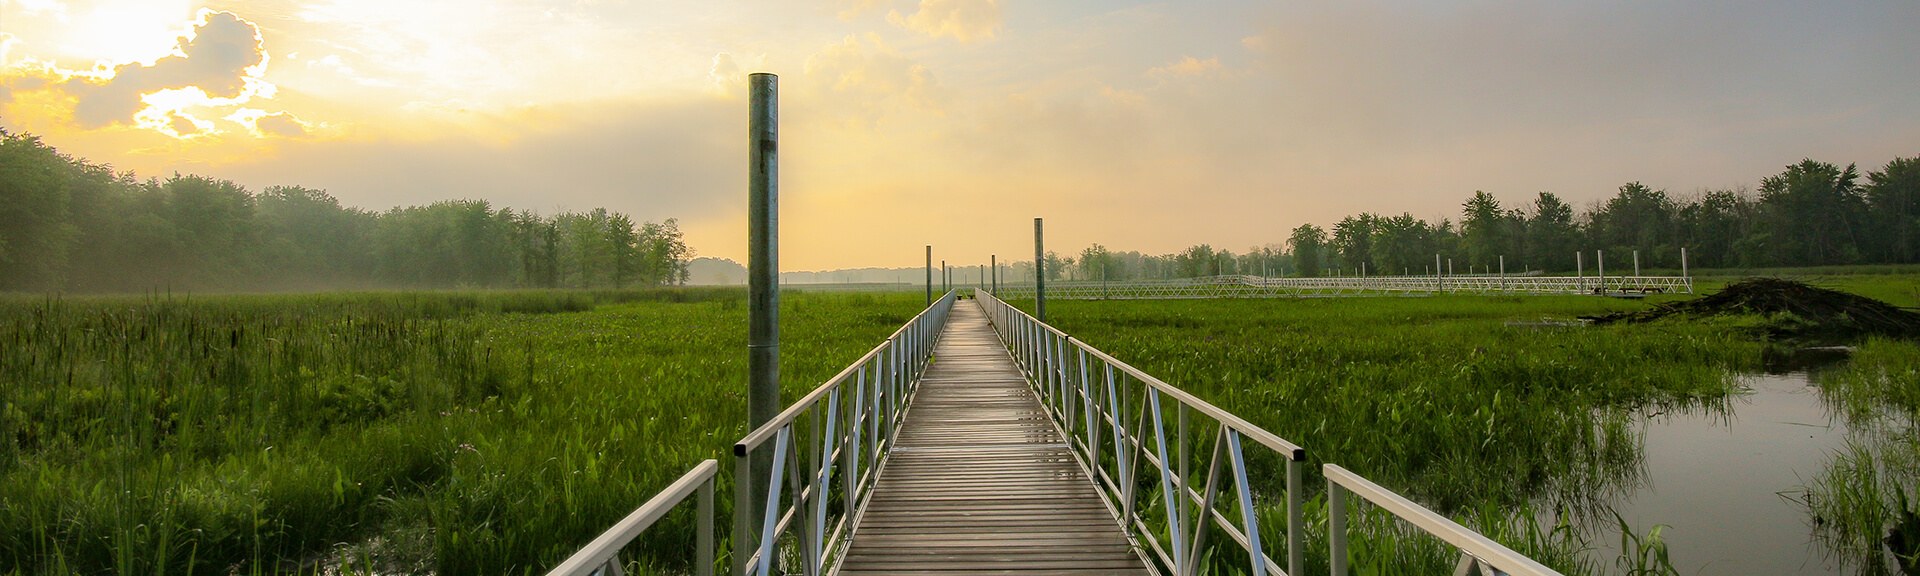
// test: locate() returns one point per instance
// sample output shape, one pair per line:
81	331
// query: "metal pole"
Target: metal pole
1580	269
1436	273
1600	258
944	277
929	275
994	260
1683	270
1636	262
763	264
1039	271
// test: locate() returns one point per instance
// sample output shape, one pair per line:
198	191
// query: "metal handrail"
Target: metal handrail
1477	551
1090	401
601	556
849	433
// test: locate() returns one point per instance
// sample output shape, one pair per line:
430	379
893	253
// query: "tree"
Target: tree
1713	225
1306	243
1402	243
1814	211
1551	234
1353	241
1638	218
1096	263
1194	262
1893	197
1484	229
35	228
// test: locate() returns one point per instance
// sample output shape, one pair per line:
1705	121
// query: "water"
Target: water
1721	481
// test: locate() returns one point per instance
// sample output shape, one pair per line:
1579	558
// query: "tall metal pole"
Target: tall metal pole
1600	257
1636	262
1580	269
763	276
1039	271
929	275
994	260
1437	276
945	277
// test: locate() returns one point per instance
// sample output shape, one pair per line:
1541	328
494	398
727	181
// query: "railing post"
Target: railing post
743	508
1296	517
1337	528
703	543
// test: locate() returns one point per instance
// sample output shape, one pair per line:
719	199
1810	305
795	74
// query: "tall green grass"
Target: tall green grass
1866	503
1468	404
453	433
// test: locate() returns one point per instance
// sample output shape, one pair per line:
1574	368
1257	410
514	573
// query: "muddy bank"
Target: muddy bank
1790	310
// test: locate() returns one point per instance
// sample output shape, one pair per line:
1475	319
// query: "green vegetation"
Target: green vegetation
1469	404
1867	503
460	433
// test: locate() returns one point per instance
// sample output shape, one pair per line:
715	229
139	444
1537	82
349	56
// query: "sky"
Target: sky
1147	126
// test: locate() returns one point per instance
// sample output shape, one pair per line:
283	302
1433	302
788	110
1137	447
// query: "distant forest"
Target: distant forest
1811	214
68	224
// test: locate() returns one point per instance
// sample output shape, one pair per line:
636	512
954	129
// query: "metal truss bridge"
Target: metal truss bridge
1243	286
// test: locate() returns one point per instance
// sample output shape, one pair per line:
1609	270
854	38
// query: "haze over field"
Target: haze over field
1143	126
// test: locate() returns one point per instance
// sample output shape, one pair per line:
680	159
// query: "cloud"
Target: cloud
868	75
32	7
652	160
964	20
6	47
280	124
727	77
222	59
1187	68
184	125
854	8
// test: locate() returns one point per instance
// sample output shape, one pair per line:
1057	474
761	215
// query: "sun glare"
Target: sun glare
141	31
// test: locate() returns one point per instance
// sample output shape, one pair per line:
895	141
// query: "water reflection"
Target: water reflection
1724	479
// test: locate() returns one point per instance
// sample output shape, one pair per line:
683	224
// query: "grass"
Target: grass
1465	403
407	432
1866	503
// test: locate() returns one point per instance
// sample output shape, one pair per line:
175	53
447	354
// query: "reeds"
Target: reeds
462	432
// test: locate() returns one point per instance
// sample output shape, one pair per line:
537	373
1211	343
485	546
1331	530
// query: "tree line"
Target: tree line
1810	214
69	224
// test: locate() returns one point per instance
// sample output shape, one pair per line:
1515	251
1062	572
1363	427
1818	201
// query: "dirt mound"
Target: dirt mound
1793	309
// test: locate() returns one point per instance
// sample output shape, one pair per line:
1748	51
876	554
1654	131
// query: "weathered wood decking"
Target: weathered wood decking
981	481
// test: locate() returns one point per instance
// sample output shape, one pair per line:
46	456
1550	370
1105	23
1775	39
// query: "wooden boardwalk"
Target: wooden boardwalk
981	481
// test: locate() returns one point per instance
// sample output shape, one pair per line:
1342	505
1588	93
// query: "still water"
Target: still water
1722	483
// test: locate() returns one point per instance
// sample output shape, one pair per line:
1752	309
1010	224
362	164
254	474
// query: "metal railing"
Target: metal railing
602	556
1115	418
1243	286
849	422
1477	552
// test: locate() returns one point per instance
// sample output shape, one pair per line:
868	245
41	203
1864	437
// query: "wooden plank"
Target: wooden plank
980	480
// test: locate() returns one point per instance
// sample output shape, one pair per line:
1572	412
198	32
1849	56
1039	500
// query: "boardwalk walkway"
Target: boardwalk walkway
981	481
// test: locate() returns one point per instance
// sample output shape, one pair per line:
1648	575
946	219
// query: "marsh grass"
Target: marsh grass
1866	503
397	432
1467	404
